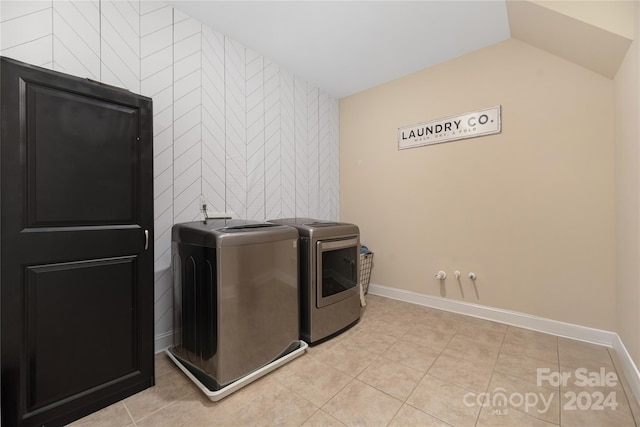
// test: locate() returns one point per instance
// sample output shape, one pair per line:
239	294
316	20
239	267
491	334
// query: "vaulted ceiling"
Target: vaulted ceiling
345	47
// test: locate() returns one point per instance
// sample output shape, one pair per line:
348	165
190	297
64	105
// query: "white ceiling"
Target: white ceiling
344	47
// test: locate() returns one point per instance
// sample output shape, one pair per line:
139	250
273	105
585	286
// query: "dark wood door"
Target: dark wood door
76	252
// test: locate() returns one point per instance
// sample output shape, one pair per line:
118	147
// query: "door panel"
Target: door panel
76	283
81	163
67	305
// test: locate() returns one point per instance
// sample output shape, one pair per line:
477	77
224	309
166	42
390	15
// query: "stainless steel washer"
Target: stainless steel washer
235	297
329	274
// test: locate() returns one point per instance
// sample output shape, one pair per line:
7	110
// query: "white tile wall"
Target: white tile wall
273	169
229	124
76	38
255	95
187	117
301	148
287	146
213	120
313	144
236	128
324	155
334	141
120	44
26	31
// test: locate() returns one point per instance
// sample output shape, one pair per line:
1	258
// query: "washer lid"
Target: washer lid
245	227
212	233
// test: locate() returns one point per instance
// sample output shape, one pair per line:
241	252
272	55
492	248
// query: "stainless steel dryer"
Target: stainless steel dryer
329	272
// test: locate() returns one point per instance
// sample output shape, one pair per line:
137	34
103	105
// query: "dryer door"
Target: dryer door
337	270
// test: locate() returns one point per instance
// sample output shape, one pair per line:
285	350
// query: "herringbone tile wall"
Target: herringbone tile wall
230	125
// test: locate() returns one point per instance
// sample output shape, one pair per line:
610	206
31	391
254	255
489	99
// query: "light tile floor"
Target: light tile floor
404	365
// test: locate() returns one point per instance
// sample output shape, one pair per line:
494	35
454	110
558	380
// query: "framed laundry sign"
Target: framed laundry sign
463	126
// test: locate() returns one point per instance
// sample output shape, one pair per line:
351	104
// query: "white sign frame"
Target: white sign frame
463	126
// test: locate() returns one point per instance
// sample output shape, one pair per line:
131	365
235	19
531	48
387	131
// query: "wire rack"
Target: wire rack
366	262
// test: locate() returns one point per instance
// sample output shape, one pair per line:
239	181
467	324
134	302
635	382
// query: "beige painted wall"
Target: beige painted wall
627	181
614	16
530	210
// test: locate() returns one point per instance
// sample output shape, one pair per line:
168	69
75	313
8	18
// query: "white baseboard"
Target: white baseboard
162	342
522	320
628	367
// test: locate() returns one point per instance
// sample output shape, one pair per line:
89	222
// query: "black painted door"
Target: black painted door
76	253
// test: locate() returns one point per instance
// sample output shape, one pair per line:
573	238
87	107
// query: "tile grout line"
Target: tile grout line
427	372
421	378
423	375
493	370
129	412
560	385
